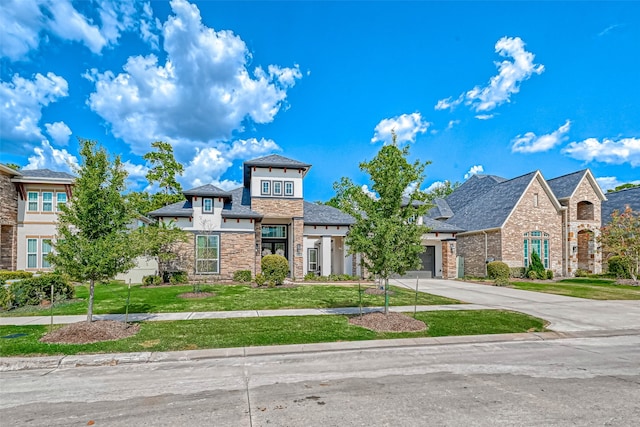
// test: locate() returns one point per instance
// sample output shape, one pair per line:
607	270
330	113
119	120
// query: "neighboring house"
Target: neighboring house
619	200
8	219
506	220
233	230
40	194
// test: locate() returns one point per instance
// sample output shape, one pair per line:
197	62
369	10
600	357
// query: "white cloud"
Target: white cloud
505	83
365	190
22	102
625	150
452	123
24	24
484	116
474	170
611	182
434	185
47	157
406	127
248	148
530	143
59	132
203	92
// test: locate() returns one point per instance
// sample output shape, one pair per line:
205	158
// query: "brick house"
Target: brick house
507	220
233	230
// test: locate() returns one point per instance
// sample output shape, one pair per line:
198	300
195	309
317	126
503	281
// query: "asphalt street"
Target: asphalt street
577	381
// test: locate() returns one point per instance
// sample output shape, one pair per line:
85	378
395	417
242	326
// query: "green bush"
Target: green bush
242	276
5	298
310	276
549	274
620	267
260	279
178	277
536	266
497	269
581	273
275	269
501	281
517	272
532	275
13	275
34	290
151	280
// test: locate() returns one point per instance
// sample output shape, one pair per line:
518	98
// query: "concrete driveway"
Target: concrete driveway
566	314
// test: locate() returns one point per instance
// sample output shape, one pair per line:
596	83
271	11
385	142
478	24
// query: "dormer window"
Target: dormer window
265	188
207	205
288	188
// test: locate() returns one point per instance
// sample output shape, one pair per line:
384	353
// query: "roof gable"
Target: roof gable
471	189
207	190
565	186
273	161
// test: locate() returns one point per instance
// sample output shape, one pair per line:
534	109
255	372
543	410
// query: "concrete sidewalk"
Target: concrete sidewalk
565	314
195	315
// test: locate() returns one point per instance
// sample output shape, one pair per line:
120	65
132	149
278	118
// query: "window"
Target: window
535	200
46	249
32	198
208	254
61	199
32	253
47	202
274	231
207	205
538	242
312	259
584	211
265	188
288	188
277	188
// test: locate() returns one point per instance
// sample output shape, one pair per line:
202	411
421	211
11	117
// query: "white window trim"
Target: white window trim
43	253
289	193
32	253
208	259
29	201
278	193
309	262
50	202
58	202
204	203
262	187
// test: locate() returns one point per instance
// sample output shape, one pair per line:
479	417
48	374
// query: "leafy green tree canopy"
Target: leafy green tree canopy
621	237
93	242
623	187
164	169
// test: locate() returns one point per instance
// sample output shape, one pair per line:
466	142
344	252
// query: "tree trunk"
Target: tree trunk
90	309
386	295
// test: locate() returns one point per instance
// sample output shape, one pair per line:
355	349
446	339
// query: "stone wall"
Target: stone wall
272	207
472	248
528	217
298	260
577	258
449	268
8	223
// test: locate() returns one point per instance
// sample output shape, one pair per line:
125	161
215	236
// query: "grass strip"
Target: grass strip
241	332
596	289
111	299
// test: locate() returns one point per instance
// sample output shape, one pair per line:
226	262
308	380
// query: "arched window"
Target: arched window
538	242
584	211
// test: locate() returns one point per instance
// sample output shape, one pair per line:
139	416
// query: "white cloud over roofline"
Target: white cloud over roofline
48	157
530	143
405	126
624	150
474	170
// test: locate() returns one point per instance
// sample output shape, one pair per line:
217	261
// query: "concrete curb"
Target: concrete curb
54	362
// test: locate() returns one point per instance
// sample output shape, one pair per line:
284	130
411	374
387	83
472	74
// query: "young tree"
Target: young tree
163	171
621	237
93	242
386	230
161	241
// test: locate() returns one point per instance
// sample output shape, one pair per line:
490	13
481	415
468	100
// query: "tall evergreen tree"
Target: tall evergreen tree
93	242
163	171
386	231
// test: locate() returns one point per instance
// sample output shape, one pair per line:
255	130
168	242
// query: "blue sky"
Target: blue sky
499	88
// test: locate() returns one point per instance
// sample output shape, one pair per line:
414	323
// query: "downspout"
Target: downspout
565	266
486	253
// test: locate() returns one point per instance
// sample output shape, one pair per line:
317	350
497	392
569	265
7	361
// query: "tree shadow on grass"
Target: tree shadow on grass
135	308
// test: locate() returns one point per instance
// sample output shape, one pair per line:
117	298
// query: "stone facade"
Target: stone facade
583	229
298	260
476	248
8	223
536	211
272	207
449	267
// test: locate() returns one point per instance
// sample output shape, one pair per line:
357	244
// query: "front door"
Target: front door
270	247
428	258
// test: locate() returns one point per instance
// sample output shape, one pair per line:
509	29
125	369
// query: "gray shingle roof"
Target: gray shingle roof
274	161
45	173
206	191
564	186
441	210
436	226
472	188
618	200
315	214
181	209
240	205
491	208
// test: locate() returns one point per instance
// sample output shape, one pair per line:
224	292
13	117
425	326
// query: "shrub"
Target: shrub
532	275
275	268
13	275
151	280
549	274
310	276
5	298
34	290
178	277
242	276
620	267
501	281
260	279
536	266
496	269
517	272
581	273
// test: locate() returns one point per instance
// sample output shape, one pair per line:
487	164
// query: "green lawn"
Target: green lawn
240	332
590	288
111	299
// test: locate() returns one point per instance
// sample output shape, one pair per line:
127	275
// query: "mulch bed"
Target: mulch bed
392	322
377	291
196	295
86	332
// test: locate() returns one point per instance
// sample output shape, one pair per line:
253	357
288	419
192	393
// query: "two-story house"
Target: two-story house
233	230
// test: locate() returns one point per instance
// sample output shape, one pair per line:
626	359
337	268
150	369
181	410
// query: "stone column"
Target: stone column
298	260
